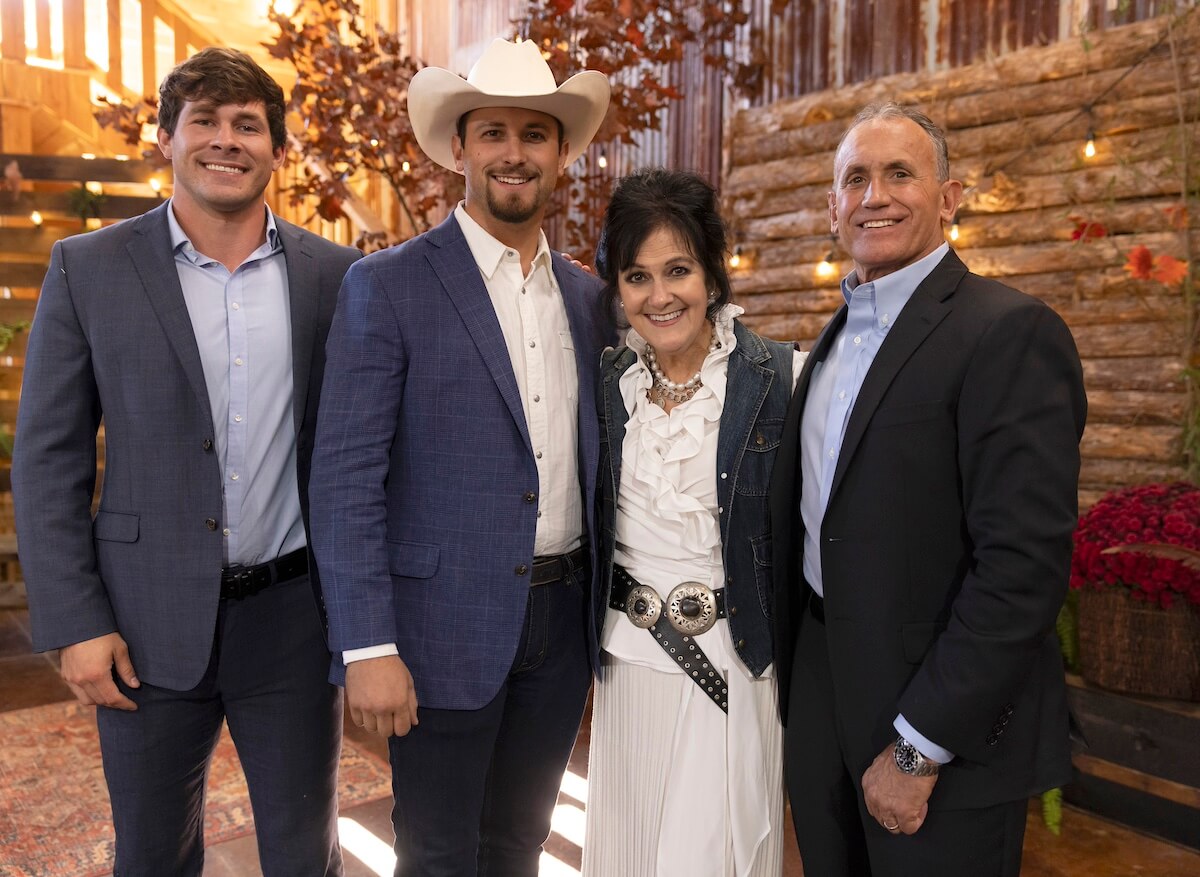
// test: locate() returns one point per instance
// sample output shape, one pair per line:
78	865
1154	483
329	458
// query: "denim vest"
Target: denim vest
758	389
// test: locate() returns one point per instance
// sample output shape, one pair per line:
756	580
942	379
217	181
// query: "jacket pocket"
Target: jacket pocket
414	560
115	526
763	573
896	415
918	638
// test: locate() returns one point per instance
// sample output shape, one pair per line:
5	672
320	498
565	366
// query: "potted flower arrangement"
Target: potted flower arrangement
1136	566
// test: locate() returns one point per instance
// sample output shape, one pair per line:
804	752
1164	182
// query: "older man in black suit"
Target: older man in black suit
923	503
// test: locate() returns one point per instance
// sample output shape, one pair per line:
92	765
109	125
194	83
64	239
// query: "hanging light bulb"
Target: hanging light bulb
735	258
1089	148
405	166
827	267
602	161
954	228
36	218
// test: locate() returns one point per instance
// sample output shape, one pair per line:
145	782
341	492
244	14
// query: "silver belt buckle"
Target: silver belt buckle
692	608
643	606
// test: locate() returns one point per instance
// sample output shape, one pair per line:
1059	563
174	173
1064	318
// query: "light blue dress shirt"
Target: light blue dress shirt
242	324
872	310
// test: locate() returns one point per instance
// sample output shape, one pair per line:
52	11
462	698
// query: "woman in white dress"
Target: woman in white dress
685	777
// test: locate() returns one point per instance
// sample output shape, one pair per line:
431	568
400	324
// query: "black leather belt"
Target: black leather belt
638	601
242	581
816	606
557	567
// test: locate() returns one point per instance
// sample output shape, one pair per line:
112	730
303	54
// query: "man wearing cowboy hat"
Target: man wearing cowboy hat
454	475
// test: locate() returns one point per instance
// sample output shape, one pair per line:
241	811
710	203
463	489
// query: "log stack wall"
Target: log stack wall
1016	127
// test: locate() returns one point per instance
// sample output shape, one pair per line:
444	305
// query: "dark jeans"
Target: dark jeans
475	789
268	678
836	834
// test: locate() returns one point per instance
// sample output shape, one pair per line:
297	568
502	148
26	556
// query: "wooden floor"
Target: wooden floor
1088	846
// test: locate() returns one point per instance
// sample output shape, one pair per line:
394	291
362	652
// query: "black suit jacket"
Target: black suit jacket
946	543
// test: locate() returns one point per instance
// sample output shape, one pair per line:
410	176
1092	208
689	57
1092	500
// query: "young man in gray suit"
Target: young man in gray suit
196	332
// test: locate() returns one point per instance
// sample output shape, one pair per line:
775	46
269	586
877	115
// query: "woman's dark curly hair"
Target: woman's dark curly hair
651	199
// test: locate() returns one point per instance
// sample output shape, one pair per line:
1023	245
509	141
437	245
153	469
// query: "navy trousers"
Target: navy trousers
268	679
475	789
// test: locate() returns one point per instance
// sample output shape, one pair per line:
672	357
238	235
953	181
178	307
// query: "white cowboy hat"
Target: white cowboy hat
508	75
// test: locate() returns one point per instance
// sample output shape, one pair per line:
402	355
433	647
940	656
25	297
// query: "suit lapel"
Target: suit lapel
580	317
454	265
925	309
303	277
150	251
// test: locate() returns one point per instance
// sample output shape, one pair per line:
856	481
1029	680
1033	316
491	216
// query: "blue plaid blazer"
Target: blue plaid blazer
423	461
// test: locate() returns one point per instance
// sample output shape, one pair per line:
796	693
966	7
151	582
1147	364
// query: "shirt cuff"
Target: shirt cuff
351	655
923	744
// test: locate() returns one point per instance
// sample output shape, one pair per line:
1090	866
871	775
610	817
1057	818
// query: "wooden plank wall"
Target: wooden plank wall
1016	128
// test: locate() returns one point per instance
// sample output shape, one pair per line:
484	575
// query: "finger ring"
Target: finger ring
893	827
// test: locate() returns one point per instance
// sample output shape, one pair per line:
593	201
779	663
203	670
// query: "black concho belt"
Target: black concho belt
690	609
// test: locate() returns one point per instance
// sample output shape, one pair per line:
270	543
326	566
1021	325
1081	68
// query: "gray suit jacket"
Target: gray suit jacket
112	339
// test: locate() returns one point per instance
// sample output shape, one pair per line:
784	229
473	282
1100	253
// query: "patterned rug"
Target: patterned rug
55	819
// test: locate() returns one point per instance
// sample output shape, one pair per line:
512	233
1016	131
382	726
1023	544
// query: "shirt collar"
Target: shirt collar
892	291
180	243
489	253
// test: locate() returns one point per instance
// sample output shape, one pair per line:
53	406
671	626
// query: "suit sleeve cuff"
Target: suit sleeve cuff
922	743
351	655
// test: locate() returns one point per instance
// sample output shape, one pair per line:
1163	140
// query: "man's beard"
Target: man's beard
512	209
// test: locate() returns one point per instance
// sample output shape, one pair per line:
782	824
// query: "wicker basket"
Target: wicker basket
1139	648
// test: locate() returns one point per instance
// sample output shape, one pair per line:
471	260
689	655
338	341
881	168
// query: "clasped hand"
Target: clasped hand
898	802
381	695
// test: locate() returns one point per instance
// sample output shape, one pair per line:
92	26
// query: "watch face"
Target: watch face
906	756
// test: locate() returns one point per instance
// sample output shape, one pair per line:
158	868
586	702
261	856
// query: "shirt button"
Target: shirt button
233	477
724	475
237	418
235	306
207	445
538	455
858	339
537	398
521	569
225	531
884	320
533	344
842	395
211	523
237	361
523	290
832	453
732	609
530	497
741	644
759	440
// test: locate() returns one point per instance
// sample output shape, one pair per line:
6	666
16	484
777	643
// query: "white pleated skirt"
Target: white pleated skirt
635	826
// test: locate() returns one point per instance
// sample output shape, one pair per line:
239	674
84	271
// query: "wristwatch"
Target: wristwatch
911	762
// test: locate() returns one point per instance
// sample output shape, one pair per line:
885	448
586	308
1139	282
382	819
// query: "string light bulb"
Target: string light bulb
36	218
602	161
827	267
735	258
1089	148
406	166
155	185
954	228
